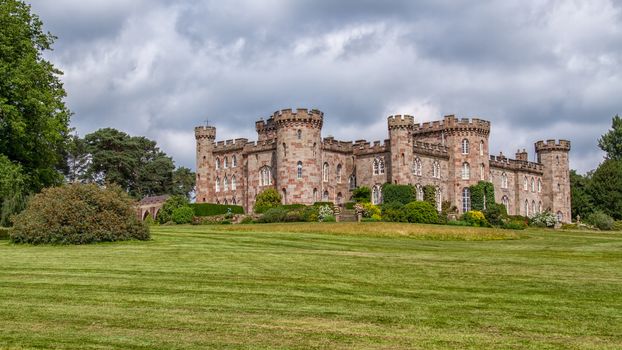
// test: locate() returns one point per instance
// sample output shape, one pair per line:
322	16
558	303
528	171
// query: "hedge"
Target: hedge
397	193
211	209
319	204
4	232
482	191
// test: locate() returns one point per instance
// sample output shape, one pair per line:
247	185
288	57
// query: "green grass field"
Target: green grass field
296	286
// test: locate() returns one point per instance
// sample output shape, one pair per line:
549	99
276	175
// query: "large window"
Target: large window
526	207
539	185
481	148
325	172
265	176
436	170
226	163
325	196
225	184
338	173
378	166
466	171
234	161
419	192
217	188
376	195
525	184
504	180
417	167
506	201
217	163
482	170
233	183
299	170
465	146
533	185
315	195
466	199
352	181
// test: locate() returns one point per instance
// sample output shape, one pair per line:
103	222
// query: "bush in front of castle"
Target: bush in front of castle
79	214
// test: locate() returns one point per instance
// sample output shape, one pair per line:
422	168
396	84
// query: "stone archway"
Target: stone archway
150	206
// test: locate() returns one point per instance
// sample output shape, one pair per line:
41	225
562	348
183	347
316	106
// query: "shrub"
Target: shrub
370	209
4	232
150	221
525	220
246	220
544	219
271	215
310	214
420	212
617	226
165	214
293	206
496	214
324	212
361	194
319	204
601	220
569	226
349	205
183	215
397	193
475	218
79	214
515	225
211	209
269	198
393	212
329	218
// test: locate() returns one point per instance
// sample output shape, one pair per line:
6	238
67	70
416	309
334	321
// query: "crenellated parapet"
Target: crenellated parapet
430	149
330	144
452	125
230	145
401	122
501	162
205	132
260	146
552	145
299	117
362	147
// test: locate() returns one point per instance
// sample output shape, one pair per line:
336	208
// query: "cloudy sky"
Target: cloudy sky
536	69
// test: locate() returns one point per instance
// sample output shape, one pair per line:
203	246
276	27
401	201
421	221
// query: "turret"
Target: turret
556	178
205	136
401	140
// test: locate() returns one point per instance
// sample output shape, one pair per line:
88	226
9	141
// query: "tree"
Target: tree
12	191
77	159
605	188
269	198
34	121
184	181
611	141
582	201
165	214
361	194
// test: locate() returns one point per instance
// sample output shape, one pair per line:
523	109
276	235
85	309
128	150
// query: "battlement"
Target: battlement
230	145
205	132
515	164
287	116
260	146
401	122
451	123
431	149
362	147
262	126
551	145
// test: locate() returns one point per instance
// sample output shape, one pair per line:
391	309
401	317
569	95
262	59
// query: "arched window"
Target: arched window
465	146
539	185
234	161
403	159
315	195
539	207
217	184
299	134
466	171
217	163
338	173
506	201
533	208
481	148
439	199
419	192
352	181
466	199
557	157
284	150
325	172
533	185
560	216
504	180
226	201
226	163
376	195
526	207
265	176
381	164
234	185
233	200
526	184
482	169
325	196
417	167
339	198
284	195
299	170
436	170
314	145
225	184
376	167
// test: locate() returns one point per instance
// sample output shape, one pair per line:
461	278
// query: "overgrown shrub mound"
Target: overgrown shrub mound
78	214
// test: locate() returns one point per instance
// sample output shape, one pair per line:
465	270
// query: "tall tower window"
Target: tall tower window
299	169
482	169
234	161
299	134
481	148
217	188
466	171
533	185
325	172
284	150
217	163
352	181
315	195
265	176
225	184
417	166
376	195
226	163
466	199
504	180
436	170
338	173
525	184
526	207
506	201
465	146
539	185
233	183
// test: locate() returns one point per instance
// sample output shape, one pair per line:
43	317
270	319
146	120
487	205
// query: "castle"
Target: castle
452	154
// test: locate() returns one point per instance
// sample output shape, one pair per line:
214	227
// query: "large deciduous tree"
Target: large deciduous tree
34	121
582	201
605	188
611	141
184	181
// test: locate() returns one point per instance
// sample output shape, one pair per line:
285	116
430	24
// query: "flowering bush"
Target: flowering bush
475	218
325	212
544	219
369	210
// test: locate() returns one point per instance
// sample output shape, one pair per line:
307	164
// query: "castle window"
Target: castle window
504	180
284	191
352	182
526	184
217	163
419	192
417	166
526	207
226	201
233	183
539	207
506	201
533	207
539	185
314	146
533	185
466	199
381	164
225	184
481	148
439	199
557	157
234	201
376	195
376	167
482	169
299	134
315	195
234	161
339	198
436	170
403	159
465	146
217	184
299	169
325	172
226	163
466	171
325	196
265	176
338	173
284	150
560	216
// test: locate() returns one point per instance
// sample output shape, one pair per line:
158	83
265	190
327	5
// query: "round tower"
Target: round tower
298	154
205	136
556	178
401	138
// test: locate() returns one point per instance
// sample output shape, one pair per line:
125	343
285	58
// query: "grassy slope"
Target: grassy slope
199	287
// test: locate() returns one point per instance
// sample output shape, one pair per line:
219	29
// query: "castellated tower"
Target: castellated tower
298	146
556	178
205	136
401	139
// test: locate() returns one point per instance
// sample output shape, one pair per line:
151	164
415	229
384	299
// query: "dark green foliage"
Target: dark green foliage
293	206
349	205
397	193
361	194
269	198
611	142
183	215
393	212
515	225
483	191
165	214
458	223
329	218
277	214
319	204
420	212
310	213
78	214
600	220
4	233
34	121
605	188
581	200
12	190
183	181
525	220
429	194
496	214
210	209
246	220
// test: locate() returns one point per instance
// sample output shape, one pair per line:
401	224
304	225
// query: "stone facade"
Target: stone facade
452	154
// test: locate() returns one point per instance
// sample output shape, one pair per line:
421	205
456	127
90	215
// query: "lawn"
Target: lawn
336	286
